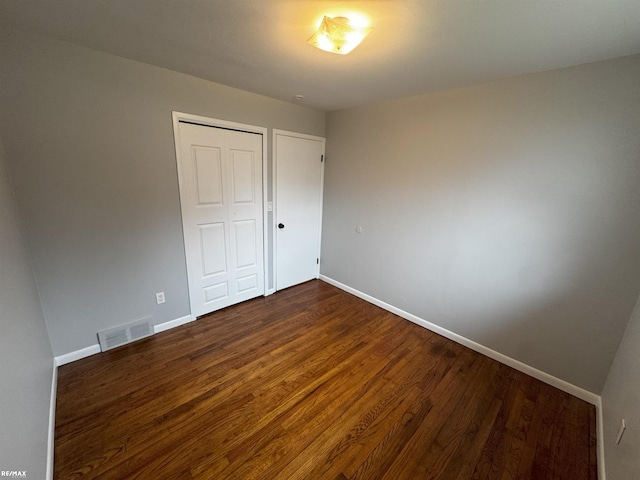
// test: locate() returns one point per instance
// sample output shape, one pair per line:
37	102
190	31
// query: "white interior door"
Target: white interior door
220	173
298	196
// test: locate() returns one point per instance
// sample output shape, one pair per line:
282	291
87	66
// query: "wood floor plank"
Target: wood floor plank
381	455
305	415
452	388
356	452
358	422
444	449
313	383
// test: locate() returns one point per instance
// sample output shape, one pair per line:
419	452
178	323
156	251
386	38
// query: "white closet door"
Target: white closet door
298	195
220	173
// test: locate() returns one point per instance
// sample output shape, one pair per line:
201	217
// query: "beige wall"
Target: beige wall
26	361
621	400
508	213
90	142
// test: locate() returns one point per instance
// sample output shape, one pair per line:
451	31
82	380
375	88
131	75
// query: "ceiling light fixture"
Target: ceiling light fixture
335	35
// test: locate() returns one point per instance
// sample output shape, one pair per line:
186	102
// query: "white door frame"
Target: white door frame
214	122
275	196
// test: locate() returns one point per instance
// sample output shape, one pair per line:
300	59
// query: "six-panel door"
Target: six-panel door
221	197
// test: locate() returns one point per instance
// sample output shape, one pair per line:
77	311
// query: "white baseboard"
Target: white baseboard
511	362
77	354
52	420
173	323
600	439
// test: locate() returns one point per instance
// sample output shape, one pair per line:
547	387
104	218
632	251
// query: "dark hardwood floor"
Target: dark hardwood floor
313	383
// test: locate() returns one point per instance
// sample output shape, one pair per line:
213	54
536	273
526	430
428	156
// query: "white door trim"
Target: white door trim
322	140
214	122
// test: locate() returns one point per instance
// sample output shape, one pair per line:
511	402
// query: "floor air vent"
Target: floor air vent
114	337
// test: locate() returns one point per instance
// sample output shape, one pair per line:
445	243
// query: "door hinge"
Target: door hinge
317	261
321	158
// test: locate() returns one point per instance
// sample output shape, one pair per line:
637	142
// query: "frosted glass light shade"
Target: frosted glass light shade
335	35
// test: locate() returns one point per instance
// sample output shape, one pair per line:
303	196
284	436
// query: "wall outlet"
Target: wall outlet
159	298
623	427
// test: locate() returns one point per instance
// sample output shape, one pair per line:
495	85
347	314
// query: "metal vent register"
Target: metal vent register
114	337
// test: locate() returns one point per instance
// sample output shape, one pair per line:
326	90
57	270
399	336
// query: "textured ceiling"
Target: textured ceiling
415	47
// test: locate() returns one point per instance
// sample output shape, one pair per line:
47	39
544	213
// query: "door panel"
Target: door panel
248	283
215	293
243	177
298	208
221	199
245	231
208	171
212	249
